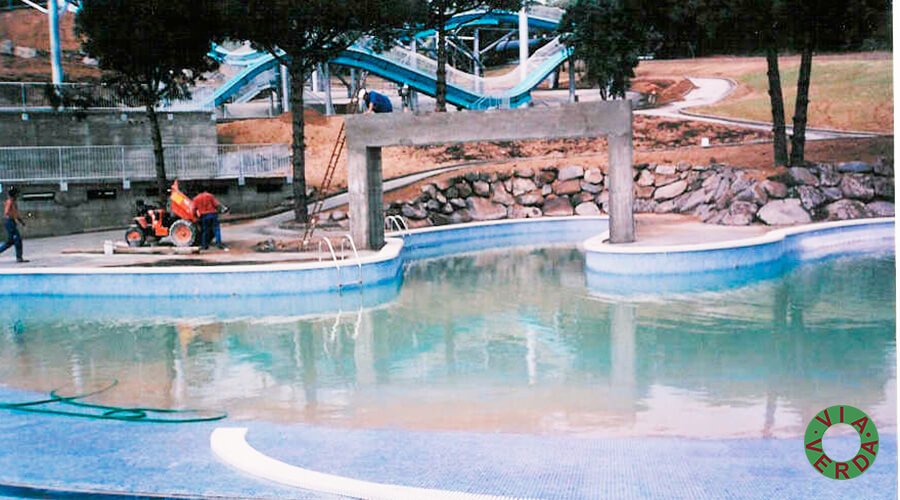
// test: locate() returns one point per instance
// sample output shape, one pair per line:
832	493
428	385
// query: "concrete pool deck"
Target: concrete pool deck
651	229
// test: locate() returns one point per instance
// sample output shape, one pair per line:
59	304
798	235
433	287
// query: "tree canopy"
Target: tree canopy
152	51
606	36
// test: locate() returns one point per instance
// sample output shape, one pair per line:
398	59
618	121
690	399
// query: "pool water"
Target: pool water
497	341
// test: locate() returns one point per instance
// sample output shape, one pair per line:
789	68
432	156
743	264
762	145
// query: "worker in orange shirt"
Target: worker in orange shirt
207	208
10	218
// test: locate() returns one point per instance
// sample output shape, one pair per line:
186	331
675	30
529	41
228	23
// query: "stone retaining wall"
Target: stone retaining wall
717	194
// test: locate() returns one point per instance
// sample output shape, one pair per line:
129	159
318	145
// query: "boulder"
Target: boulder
810	197
519	212
546	189
25	52
857	187
433	205
845	209
447	182
670	191
854	167
884	187
665	170
521	186
800	176
482	209
591	187
691	200
557	207
665	207
663	180
645	178
643	191
594	176
754	194
880	209
587	208
481	188
413	211
501	195
463	188
742	213
711	183
452	192
447	208
531	199
548	175
640	206
832	194
581	197
705	212
524	172
781	212
429	190
456	217
439	196
459	202
774	189
570	172
884	167
567	187
601	198
740	184
828	175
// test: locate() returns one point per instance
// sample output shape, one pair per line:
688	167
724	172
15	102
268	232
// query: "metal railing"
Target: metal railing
24	96
91	163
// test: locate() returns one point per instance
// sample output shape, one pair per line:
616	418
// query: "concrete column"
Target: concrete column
365	190
523	44
55	62
315	78
621	189
326	77
572	96
285	89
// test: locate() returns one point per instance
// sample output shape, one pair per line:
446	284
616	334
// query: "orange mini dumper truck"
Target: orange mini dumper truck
153	224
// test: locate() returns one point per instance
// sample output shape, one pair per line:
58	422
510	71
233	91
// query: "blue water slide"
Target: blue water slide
406	67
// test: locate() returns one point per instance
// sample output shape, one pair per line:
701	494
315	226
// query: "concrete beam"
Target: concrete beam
367	134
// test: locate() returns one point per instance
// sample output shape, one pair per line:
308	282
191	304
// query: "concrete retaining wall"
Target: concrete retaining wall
91	206
103	128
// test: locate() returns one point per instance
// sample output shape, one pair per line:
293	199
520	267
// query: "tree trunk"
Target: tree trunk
798	140
440	88
298	145
156	137
777	101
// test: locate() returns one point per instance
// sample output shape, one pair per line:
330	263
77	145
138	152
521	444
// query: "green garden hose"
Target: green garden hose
103	412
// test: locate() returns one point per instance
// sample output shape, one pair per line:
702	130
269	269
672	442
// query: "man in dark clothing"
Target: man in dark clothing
10	217
377	103
207	207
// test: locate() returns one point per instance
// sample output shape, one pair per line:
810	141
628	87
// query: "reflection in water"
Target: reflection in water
508	341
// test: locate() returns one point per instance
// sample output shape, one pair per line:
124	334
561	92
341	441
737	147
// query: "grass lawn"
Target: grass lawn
848	91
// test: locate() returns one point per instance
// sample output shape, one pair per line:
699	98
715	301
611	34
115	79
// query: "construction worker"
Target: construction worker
376	103
207	208
10	218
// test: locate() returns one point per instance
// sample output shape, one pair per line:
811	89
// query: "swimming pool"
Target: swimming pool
510	340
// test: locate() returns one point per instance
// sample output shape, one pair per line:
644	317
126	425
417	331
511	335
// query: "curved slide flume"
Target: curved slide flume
404	66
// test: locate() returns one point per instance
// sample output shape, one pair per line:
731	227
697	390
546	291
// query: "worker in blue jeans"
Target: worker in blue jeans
10	218
376	103
207	207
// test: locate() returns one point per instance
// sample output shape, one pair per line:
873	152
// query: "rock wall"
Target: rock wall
717	194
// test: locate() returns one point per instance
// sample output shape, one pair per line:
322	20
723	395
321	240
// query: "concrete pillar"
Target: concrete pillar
621	189
315	78
523	44
55	62
572	96
365	190
326	77
285	89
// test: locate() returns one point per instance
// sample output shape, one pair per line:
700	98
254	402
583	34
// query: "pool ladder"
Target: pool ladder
396	223
346	241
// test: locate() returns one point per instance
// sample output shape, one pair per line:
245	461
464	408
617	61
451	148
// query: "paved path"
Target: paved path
708	91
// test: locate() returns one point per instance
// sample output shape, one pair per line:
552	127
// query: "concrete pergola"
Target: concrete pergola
367	134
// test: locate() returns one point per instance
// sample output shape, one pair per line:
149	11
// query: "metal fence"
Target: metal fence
128	163
40	95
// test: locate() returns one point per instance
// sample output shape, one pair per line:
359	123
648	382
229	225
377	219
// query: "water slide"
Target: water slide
403	65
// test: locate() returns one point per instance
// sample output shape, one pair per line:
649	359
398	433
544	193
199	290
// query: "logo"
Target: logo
868	439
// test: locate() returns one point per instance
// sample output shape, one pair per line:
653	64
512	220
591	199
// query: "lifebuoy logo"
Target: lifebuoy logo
868	442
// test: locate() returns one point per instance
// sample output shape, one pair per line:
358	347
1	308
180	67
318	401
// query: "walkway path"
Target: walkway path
709	91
